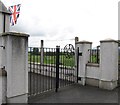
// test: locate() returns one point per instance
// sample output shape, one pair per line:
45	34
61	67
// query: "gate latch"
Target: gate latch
80	54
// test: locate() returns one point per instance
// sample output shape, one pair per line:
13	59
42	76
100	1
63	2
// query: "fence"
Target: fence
94	55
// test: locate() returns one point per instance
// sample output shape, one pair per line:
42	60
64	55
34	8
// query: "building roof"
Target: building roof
3	9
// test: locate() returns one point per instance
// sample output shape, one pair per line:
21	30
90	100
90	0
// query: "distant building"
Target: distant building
4	18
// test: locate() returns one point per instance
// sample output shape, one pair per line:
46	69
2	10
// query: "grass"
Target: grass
65	61
93	59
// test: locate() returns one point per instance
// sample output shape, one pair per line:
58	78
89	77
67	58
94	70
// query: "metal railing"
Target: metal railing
95	55
49	69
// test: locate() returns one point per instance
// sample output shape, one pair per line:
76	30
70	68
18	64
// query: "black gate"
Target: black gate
50	69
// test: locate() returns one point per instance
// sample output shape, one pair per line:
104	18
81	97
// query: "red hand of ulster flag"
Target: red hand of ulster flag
15	11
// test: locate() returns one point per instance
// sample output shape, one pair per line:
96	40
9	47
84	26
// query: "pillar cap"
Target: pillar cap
19	34
84	42
109	40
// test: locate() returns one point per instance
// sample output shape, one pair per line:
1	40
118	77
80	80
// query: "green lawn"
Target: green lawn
52	59
94	59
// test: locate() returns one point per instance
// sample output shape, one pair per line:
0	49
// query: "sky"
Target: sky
58	22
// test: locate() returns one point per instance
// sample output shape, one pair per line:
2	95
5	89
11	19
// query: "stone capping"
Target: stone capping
110	40
5	12
83	42
92	64
14	34
3	72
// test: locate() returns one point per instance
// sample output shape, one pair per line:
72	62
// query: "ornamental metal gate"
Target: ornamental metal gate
50	69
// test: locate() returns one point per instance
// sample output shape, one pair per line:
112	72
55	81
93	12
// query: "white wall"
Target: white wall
104	74
93	71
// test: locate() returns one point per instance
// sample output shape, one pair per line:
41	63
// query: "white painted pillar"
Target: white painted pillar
3	86
3	74
16	65
108	64
84	47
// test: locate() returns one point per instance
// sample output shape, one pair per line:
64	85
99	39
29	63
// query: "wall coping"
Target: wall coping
92	64
109	40
5	12
3	72
14	34
83	42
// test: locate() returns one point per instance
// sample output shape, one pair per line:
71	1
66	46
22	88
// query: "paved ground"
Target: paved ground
78	94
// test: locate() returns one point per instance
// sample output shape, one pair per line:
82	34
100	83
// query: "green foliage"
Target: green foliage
94	59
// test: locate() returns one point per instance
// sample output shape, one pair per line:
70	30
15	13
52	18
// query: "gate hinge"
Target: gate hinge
3	47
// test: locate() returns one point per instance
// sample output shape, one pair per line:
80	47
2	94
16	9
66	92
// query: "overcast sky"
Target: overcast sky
91	20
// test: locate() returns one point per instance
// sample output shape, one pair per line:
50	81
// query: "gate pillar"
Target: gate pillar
83	58
108	64
16	65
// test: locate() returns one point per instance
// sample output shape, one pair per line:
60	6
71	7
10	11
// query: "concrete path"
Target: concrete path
78	94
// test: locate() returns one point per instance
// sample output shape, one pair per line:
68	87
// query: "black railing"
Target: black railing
49	69
95	55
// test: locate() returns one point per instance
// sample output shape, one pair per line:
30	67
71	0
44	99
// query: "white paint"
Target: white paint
106	73
16	64
93	72
109	61
83	60
108	64
3	85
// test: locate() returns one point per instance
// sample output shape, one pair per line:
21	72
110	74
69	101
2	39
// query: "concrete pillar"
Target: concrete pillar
84	47
108	64
16	65
3	86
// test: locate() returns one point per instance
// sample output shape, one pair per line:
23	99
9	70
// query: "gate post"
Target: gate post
108	64
16	65
57	67
83	58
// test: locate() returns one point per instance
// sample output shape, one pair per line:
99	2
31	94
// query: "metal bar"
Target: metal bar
78	62
30	73
43	71
40	73
63	68
33	71
57	67
97	54
49	69
37	78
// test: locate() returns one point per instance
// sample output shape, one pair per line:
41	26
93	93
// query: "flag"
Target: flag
15	11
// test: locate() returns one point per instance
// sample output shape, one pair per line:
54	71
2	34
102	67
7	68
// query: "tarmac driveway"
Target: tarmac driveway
78	94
